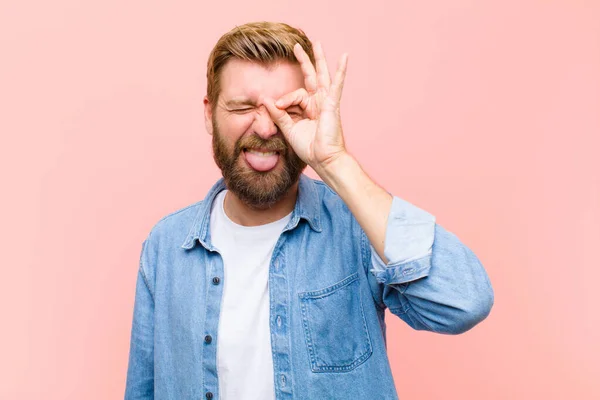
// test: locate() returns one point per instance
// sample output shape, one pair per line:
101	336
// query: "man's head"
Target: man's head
250	63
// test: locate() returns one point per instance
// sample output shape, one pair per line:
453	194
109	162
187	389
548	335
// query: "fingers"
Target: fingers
335	92
323	78
319	78
310	75
281	118
298	97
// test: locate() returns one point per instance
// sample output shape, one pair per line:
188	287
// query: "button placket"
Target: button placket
214	292
279	301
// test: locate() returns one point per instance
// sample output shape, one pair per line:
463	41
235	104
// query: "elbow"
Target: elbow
455	317
470	313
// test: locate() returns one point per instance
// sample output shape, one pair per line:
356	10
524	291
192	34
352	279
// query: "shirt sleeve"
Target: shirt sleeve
408	244
140	371
432	280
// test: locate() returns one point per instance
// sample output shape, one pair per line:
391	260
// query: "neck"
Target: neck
245	215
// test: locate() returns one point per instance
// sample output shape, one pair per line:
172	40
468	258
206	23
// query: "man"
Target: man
275	285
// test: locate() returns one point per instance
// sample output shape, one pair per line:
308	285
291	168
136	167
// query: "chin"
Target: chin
259	190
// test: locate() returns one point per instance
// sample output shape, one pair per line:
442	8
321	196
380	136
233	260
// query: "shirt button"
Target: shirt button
216	280
209	395
278	320
282	380
208	339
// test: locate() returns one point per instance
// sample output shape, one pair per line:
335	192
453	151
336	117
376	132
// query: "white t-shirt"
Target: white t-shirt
244	358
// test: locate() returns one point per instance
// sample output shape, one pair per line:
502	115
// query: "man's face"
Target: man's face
257	163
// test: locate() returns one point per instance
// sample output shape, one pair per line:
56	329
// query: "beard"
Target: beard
259	190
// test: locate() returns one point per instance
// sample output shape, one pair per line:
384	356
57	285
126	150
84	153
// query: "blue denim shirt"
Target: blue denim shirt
328	291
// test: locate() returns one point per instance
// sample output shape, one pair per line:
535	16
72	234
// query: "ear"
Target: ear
208	116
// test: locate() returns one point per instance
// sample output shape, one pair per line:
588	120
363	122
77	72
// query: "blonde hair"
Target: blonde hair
261	42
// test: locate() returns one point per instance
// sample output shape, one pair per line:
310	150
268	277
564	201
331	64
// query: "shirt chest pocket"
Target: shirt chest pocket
335	328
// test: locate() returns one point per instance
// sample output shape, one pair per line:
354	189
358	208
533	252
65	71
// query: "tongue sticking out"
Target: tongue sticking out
261	161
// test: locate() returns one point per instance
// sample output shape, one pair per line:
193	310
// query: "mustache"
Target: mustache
274	143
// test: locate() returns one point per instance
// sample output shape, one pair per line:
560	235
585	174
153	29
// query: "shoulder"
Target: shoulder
175	226
328	198
333	211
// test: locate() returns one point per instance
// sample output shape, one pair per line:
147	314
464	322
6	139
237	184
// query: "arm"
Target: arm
368	202
446	290
140	372
424	274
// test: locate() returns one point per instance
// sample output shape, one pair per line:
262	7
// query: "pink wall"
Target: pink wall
487	114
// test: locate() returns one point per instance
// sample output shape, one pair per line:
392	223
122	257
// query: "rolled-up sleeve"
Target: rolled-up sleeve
140	372
432	281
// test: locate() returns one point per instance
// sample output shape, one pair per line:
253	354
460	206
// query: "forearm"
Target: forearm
368	202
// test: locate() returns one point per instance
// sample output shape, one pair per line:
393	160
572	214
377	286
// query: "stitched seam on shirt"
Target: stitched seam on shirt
366	259
397	310
179	211
328	291
413	277
400	263
283	256
146	281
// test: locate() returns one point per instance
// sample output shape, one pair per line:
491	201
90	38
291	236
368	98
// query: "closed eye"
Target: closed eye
241	109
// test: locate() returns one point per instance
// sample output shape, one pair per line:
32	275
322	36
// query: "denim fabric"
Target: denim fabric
328	291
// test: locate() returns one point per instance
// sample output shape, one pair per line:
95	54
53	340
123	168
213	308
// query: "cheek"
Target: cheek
231	128
234	126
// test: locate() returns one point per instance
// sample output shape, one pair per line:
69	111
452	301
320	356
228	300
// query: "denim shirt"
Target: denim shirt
328	291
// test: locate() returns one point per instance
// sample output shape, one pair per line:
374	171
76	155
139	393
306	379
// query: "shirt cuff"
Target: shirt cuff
408	244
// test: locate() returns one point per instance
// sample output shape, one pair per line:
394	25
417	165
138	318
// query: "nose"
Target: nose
263	125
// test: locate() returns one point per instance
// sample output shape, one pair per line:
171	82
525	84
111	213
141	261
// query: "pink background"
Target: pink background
485	113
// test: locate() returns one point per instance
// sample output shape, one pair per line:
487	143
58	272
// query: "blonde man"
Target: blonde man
275	285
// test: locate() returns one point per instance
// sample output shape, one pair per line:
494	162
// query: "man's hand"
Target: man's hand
318	139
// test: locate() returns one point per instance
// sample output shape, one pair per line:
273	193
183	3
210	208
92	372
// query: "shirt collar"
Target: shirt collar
307	207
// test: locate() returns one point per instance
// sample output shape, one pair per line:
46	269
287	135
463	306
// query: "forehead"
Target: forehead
245	79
